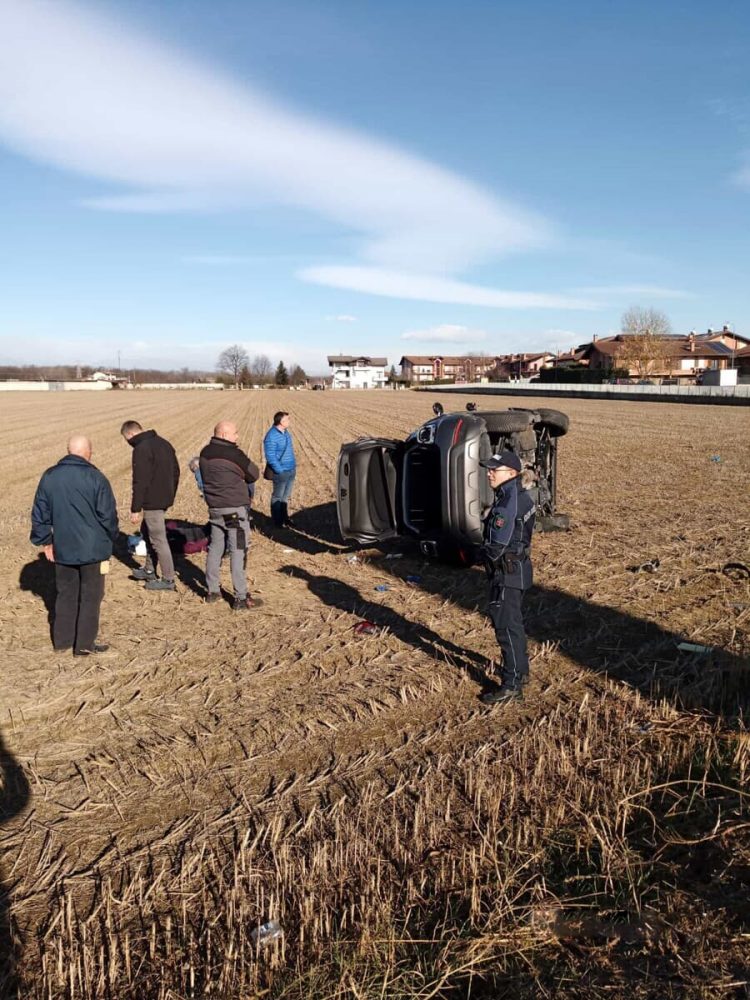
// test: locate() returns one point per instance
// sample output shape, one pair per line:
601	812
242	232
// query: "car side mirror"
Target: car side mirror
437	409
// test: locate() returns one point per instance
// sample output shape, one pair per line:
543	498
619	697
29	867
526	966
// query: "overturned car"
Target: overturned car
431	486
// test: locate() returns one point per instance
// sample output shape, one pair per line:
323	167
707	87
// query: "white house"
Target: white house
357	372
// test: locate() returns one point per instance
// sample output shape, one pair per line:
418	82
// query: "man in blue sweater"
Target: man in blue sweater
74	519
279	451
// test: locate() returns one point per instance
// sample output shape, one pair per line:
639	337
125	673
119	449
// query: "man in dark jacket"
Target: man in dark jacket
226	472
506	550
156	474
74	518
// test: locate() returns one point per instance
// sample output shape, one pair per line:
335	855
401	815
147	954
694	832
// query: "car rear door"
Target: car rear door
368	489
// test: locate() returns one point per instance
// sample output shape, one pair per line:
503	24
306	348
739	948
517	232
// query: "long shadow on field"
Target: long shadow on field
315	532
38	577
14	795
122	553
337	594
605	640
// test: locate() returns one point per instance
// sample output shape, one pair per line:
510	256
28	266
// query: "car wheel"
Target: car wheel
556	422
507	422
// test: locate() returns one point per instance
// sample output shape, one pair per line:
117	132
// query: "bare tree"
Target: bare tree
232	360
262	368
645	347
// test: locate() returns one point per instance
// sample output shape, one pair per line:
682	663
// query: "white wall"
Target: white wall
14	385
359	377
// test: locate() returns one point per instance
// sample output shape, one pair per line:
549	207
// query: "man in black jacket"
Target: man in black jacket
226	472
156	474
74	518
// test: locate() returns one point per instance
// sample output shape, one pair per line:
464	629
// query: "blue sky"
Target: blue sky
379	177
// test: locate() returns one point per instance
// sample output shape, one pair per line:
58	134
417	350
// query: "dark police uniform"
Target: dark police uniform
506	552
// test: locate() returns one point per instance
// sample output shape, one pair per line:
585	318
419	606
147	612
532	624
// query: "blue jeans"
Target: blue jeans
282	490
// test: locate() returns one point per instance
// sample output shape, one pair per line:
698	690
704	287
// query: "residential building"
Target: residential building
433	368
349	371
682	356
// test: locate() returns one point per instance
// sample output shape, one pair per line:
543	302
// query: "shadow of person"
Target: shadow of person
14	796
608	641
312	534
121	551
38	577
337	594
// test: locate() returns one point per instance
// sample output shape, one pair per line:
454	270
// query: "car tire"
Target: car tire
556	422
508	421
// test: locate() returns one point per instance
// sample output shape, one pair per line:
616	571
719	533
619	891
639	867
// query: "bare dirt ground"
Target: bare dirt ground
206	727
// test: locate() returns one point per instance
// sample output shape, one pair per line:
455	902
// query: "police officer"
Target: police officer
506	553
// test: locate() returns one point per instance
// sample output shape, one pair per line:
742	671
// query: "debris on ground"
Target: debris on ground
692	647
366	627
382	587
647	567
414	579
266	933
736	571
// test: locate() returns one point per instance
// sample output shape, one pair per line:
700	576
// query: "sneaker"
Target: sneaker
143	574
98	647
154	584
512	690
289	523
246	603
212	598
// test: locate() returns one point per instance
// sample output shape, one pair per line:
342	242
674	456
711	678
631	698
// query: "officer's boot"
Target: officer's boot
512	690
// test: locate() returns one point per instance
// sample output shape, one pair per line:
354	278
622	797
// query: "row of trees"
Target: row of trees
235	364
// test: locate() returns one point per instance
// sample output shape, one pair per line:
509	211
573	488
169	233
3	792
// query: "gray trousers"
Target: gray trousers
230	526
157	547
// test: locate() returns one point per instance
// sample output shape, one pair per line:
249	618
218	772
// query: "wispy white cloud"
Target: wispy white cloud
342	319
446	333
88	95
433	288
649	291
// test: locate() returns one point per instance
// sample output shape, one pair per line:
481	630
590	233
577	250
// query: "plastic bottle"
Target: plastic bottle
266	933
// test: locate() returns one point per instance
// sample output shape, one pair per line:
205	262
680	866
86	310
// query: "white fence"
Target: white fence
179	385
738	395
16	385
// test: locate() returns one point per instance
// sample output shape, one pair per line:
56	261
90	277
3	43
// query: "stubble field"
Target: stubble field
218	769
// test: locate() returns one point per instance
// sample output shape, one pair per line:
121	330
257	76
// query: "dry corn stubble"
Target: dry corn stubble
216	772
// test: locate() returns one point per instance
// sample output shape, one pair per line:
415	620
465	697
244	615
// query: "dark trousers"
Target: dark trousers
507	619
80	590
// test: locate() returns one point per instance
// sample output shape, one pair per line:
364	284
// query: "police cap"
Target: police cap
503	460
